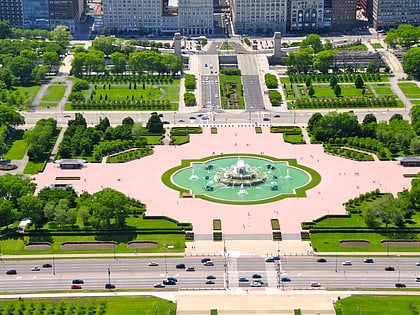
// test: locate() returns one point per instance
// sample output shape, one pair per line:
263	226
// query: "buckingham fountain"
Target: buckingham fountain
240	179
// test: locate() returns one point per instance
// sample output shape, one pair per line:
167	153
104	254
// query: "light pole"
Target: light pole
336	262
53	263
109	275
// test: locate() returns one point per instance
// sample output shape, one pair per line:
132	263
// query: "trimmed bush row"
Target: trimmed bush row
325	78
345	102
121	105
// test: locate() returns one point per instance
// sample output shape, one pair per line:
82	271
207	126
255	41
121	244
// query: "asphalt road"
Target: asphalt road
135	273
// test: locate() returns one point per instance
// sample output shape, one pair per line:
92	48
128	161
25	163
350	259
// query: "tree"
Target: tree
103	124
108	45
128	121
396	117
386	210
5	30
51	60
313	41
301	61
415	145
7	212
119	62
109	205
12	187
32	207
154	124
369	118
61	35
411	62
335	125
337	90
311	91
22	69
359	82
308	81
333	82
323	60
313	121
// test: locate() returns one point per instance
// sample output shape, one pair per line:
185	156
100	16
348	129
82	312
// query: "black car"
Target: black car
169	282
204	260
211	277
269	259
389	269
165	122
11	272
368	260
46	266
180	266
256	276
77	281
190	269
210	282
110	286
321	260
400	285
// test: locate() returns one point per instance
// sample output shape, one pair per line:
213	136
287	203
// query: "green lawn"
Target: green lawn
375	305
17	150
55	93
410	89
122	92
144	305
382	89
326	91
330	242
415	102
33	167
377	45
353	221
231	92
29	92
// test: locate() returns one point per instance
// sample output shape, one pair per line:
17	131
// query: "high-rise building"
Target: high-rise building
343	14
65	12
259	16
11	10
196	17
306	14
161	16
384	14
42	14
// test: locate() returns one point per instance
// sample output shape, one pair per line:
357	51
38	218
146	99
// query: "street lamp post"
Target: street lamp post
53	263
109	275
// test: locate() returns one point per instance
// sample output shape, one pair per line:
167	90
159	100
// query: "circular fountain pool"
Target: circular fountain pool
242	178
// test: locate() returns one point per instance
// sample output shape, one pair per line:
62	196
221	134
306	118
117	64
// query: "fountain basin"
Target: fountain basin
241	178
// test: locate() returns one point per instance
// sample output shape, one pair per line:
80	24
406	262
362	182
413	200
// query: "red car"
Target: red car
76	287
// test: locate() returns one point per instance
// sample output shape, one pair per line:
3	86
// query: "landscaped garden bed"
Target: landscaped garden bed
354	243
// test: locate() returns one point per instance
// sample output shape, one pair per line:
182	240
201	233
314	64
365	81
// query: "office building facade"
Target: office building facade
306	15
259	16
384	14
11	10
190	17
343	14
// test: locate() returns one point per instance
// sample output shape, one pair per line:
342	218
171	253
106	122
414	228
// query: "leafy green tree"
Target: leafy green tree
7	211
119	62
5	29
108	45
32	207
29	54
61	35
313	41
128	121
311	91
386	210
337	90
369	118
300	61
12	187
154	124
323	60
333	81
359	83
51	60
50	194
313	121
308	81
109	205
189	99
103	124
10	117
415	145
396	117
23	69
411	62
336	125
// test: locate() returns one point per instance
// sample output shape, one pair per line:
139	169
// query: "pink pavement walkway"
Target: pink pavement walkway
342	179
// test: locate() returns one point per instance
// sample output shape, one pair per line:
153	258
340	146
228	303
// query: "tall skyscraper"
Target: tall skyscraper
11	10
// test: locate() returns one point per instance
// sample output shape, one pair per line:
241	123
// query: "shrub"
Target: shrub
230	71
190	82
271	81
275	98
80	85
189	99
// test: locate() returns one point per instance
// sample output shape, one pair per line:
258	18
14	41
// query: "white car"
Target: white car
315	284
418	264
36	268
153	263
346	263
256	284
